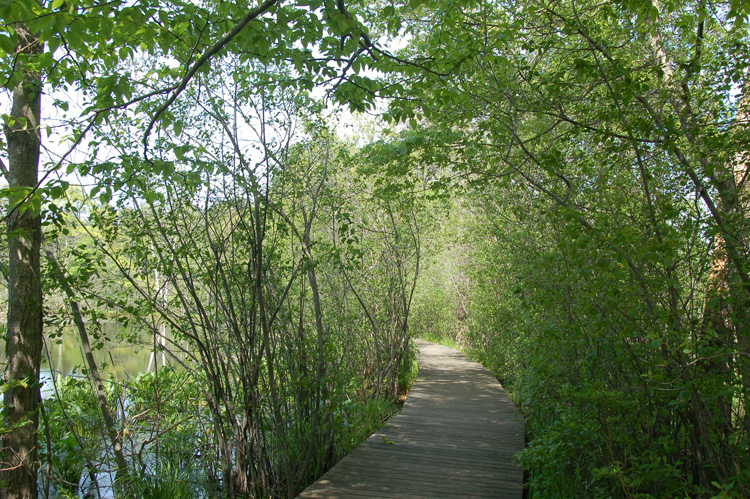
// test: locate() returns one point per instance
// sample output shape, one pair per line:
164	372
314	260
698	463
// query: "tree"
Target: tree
79	38
620	120
18	455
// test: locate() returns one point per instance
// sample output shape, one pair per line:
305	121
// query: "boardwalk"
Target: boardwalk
455	437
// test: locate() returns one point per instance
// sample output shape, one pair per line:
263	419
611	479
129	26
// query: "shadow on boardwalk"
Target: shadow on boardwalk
455	437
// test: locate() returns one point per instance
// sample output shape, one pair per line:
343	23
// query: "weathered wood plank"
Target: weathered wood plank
455	437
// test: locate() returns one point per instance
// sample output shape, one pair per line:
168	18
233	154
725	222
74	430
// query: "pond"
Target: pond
117	356
123	354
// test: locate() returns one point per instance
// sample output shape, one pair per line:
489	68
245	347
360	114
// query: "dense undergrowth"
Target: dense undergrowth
282	309
171	436
572	340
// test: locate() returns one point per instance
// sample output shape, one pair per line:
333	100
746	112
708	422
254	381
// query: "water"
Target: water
117	357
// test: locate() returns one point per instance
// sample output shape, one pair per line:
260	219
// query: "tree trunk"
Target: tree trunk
23	348
725	308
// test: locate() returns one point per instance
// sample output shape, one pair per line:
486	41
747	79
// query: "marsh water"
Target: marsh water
121	353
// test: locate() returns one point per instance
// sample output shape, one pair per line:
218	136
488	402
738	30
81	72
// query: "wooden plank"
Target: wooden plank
455	437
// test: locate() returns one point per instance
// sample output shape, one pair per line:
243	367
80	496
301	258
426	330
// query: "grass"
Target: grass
362	419
446	341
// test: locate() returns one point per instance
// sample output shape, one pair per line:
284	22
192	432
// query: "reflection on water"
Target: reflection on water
123	354
119	357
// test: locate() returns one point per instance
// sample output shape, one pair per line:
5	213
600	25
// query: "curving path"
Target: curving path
455	437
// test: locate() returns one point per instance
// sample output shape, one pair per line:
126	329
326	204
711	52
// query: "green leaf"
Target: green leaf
105	197
8	43
653	13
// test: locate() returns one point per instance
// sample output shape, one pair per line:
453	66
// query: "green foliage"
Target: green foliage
594	252
72	420
358	420
584	357
167	480
175	463
592	138
409	370
235	270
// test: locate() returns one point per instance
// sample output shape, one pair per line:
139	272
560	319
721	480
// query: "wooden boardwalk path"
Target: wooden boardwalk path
455	437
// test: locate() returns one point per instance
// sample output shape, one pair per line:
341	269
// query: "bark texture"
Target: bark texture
18	452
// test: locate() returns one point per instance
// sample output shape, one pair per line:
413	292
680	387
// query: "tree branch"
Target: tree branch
213	50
